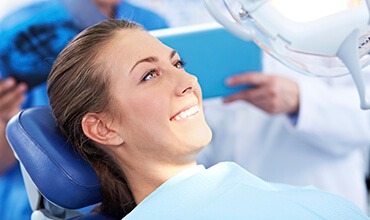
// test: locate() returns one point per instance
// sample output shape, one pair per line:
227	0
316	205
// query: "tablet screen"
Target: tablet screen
212	54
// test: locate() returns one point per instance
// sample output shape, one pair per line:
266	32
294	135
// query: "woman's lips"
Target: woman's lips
186	113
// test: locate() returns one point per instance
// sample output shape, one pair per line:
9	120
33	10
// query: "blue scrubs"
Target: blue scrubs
227	191
31	39
148	19
14	203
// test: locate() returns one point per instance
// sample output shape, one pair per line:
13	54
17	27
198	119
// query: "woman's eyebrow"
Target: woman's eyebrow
147	59
152	59
173	53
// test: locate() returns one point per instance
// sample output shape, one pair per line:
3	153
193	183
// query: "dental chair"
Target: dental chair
58	180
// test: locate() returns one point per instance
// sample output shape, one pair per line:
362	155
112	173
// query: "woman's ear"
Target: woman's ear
99	129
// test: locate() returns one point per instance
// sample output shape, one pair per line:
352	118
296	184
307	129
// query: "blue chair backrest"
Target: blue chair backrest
59	173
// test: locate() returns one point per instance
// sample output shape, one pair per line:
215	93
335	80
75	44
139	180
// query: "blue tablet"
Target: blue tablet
212	54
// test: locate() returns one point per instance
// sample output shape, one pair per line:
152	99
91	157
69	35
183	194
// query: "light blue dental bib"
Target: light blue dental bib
227	191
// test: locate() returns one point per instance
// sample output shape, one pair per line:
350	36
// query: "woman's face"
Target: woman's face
158	104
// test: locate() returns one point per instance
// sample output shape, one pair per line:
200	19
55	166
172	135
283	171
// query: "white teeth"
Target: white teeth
187	113
183	115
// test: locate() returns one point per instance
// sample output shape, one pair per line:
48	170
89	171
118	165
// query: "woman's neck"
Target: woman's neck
145	178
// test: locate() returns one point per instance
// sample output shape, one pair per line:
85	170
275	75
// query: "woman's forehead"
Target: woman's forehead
136	39
131	45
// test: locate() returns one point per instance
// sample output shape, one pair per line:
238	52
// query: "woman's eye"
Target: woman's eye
150	75
180	64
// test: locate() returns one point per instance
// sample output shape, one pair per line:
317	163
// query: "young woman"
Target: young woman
125	102
31	38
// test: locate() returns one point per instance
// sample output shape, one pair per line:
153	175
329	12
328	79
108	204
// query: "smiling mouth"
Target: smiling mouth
186	113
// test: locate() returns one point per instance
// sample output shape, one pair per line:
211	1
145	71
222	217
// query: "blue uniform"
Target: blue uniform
148	19
227	191
31	39
14	203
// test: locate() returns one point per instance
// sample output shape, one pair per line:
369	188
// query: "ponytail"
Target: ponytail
117	197
78	85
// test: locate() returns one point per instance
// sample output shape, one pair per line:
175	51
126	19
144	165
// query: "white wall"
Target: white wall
8	6
178	12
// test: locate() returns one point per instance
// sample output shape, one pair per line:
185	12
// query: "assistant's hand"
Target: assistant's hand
273	94
12	96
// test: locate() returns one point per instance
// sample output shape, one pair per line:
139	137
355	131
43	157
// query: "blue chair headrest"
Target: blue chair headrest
61	175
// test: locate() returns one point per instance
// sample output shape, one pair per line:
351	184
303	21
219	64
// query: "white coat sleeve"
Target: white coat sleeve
329	111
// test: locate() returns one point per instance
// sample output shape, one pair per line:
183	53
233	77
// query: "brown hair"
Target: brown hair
77	85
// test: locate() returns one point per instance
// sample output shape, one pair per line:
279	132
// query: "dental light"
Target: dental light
332	44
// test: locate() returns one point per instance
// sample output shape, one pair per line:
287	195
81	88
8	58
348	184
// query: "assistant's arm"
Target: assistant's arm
11	97
323	111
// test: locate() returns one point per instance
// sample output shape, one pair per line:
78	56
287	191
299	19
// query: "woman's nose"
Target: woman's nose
186	84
